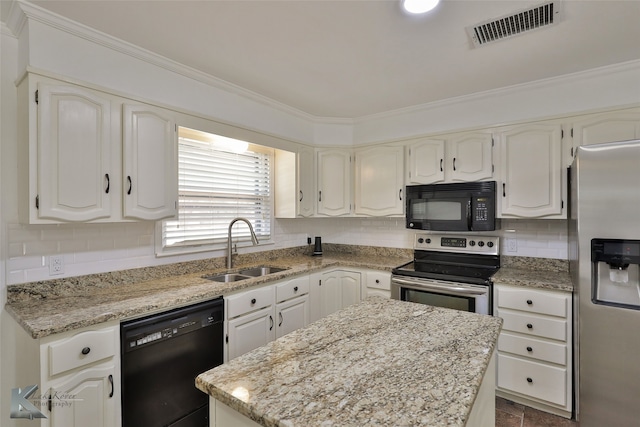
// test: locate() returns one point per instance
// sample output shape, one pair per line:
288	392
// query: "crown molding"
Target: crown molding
36	13
633	65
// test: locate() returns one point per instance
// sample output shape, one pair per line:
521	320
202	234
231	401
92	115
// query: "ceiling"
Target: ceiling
357	58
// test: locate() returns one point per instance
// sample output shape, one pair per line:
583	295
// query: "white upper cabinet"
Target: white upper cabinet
73	139
379	181
85	155
334	182
606	127
294	183
533	182
455	158
150	165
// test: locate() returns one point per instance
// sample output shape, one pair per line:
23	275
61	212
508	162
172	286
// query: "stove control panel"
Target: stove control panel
489	245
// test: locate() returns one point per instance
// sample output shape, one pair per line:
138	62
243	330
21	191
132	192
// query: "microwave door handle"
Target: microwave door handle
469	222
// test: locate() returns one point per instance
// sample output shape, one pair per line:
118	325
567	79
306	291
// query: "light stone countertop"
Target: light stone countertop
537	279
50	307
379	362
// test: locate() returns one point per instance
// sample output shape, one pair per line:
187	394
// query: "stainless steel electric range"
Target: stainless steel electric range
452	271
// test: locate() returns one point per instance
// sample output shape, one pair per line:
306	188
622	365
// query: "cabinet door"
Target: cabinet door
291	315
330	293
470	157
305	171
350	288
426	161
607	127
150	163
74	140
379	181
334	182
532	183
251	331
88	398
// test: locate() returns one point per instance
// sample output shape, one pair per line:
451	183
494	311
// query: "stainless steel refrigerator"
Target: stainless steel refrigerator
604	253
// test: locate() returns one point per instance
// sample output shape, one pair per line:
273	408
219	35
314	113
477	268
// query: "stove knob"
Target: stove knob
420	240
472	242
481	243
428	241
490	244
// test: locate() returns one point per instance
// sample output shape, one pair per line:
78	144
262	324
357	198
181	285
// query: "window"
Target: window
219	180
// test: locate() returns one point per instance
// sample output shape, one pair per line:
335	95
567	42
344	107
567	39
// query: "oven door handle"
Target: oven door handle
449	289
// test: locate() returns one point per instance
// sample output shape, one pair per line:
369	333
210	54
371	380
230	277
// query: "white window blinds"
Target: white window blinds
217	185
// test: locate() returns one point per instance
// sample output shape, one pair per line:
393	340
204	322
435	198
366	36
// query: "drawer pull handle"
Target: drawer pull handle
295	289
529	302
112	388
86	350
529	325
281	319
529	380
253	301
529	349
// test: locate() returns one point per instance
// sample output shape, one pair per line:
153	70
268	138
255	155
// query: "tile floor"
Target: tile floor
510	414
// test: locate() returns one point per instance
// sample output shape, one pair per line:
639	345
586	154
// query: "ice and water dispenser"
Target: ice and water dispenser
615	273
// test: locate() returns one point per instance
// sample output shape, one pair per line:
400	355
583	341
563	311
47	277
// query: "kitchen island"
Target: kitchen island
378	362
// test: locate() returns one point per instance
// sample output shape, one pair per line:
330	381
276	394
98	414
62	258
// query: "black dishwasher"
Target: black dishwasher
161	356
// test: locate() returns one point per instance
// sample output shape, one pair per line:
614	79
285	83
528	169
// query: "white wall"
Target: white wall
96	59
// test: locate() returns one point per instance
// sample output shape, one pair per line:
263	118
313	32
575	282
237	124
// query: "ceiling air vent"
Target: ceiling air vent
515	23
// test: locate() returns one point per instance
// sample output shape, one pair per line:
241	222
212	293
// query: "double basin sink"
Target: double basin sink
247	273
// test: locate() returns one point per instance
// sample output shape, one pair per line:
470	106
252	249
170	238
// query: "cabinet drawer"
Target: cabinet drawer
544	382
379	280
81	349
292	288
249	301
531	347
533	301
530	324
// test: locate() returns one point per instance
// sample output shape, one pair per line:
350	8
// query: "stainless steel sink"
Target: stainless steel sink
260	271
229	277
247	273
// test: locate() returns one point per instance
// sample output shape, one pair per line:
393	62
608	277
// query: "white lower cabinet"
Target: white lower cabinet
377	283
333	290
77	374
258	316
535	348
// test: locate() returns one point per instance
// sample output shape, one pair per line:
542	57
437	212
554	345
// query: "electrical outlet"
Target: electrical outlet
56	265
512	244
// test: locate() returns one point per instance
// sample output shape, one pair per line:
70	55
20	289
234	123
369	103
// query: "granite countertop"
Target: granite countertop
541	279
378	362
50	307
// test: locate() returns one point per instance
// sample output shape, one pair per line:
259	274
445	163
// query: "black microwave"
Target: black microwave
468	206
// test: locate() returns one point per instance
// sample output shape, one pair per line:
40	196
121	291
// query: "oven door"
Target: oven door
439	293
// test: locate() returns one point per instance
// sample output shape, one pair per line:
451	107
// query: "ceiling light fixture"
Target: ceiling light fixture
419	6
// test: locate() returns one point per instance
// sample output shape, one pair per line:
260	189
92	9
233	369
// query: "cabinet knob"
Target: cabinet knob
86	350
295	289
253	301
529	325
529	348
529	380
529	302
377	280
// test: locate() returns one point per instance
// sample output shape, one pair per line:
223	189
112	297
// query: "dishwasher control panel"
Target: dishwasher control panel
156	328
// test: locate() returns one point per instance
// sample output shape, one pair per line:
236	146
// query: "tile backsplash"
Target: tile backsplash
97	248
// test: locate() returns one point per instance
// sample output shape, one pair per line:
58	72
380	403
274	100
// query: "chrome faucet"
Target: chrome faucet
254	238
